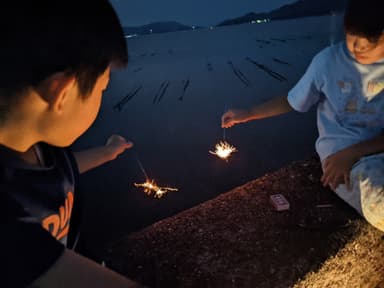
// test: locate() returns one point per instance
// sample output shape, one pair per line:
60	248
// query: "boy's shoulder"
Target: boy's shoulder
60	160
330	55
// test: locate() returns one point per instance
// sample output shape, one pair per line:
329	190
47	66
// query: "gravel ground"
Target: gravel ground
239	240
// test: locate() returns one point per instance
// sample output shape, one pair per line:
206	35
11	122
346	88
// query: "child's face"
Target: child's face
79	114
365	51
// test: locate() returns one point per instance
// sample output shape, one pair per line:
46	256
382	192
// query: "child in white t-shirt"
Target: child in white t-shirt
346	82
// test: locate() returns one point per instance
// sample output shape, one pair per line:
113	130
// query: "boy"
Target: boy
346	81
56	58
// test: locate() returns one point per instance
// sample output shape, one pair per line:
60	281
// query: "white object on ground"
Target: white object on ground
279	202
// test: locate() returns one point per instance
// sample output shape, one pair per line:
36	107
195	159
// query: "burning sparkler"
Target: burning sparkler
150	187
223	150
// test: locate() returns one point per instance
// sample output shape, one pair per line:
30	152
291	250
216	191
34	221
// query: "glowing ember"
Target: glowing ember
223	150
150	187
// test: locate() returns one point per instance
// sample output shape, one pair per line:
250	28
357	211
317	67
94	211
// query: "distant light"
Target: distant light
258	21
211	28
193	27
150	30
131	36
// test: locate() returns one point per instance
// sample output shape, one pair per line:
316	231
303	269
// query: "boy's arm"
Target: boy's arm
337	167
274	107
75	271
92	158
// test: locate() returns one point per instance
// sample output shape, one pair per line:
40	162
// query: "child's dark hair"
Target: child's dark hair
42	37
365	18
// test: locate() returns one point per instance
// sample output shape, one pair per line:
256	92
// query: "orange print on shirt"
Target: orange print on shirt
58	224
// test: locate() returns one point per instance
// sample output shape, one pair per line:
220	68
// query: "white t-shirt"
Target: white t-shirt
350	98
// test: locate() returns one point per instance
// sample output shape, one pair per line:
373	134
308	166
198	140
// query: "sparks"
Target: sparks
223	150
150	187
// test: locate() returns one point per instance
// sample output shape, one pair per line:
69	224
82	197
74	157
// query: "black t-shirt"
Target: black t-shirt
36	205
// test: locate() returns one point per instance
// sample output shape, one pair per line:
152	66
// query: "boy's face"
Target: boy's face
365	51
79	113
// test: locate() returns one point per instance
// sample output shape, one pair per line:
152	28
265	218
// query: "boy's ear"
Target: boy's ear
56	89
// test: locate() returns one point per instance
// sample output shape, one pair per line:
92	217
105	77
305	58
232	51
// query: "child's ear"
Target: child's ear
56	89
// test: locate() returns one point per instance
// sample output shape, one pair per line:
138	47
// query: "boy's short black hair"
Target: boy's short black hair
365	18
42	37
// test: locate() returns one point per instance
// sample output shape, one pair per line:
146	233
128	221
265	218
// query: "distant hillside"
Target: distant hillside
158	27
300	8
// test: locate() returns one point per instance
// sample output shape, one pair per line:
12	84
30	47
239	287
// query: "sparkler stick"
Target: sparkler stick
224	129
142	168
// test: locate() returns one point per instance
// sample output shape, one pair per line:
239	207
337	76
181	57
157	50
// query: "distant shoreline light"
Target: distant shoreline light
151	31
258	21
130	36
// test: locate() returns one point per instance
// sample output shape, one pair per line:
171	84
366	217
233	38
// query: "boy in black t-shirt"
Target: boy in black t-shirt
56	58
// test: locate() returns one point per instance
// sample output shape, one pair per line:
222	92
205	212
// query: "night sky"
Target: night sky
190	12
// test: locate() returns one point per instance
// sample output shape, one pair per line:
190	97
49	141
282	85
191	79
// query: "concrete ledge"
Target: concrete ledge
239	240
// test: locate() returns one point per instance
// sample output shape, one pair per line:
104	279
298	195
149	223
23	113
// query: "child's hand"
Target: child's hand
116	145
233	117
337	168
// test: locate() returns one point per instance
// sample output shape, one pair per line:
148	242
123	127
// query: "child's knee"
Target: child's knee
375	220
372	204
368	178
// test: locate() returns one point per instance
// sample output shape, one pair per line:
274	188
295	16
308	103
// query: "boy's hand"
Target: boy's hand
337	168
116	145
233	117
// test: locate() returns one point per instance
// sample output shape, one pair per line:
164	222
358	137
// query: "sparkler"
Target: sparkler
223	150
151	188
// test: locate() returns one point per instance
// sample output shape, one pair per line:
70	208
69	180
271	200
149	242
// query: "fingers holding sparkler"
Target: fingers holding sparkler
116	145
233	117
